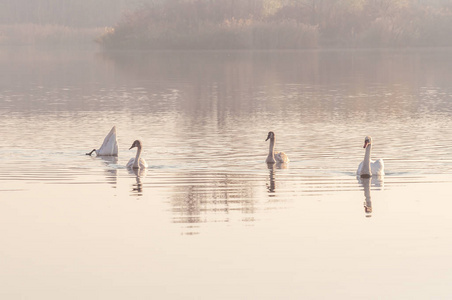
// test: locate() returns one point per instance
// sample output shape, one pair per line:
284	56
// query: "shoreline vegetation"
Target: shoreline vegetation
274	24
229	24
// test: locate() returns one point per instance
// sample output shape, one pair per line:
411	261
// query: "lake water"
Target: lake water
209	219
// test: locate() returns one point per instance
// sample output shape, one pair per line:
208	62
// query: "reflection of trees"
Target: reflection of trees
242	82
198	200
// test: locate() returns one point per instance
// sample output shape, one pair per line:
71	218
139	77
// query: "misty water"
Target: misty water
209	219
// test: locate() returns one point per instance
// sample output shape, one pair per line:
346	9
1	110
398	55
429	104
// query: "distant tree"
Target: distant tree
272	23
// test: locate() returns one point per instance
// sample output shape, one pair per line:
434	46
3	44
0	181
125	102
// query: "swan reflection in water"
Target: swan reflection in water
137	187
271	185
111	170
366	183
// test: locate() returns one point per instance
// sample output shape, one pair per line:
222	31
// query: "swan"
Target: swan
109	146
275	157
368	167
137	162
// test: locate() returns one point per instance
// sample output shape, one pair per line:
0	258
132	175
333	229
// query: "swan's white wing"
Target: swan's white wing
281	157
110	145
143	163
358	172
377	167
130	163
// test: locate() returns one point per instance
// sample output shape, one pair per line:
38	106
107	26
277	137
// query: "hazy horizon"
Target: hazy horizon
228	24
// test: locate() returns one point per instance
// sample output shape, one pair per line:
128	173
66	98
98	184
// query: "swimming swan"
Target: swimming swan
275	157
137	162
109	146
368	167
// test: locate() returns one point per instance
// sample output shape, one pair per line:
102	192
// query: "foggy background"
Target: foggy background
227	24
73	13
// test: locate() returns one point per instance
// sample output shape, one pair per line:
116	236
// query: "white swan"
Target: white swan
138	162
275	157
109	146
368	167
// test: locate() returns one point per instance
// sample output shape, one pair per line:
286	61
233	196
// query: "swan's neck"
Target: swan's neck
271	151
366	163
136	163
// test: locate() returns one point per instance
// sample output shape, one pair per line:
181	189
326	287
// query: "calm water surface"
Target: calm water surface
209	219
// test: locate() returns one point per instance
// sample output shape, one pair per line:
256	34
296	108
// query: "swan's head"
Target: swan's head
270	135
367	141
136	143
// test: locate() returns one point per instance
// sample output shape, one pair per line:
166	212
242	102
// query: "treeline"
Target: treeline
282	24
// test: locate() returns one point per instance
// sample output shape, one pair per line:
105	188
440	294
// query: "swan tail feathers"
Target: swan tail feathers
378	167
110	145
282	157
143	163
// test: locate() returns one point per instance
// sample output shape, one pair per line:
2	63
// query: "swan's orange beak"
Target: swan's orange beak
365	144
